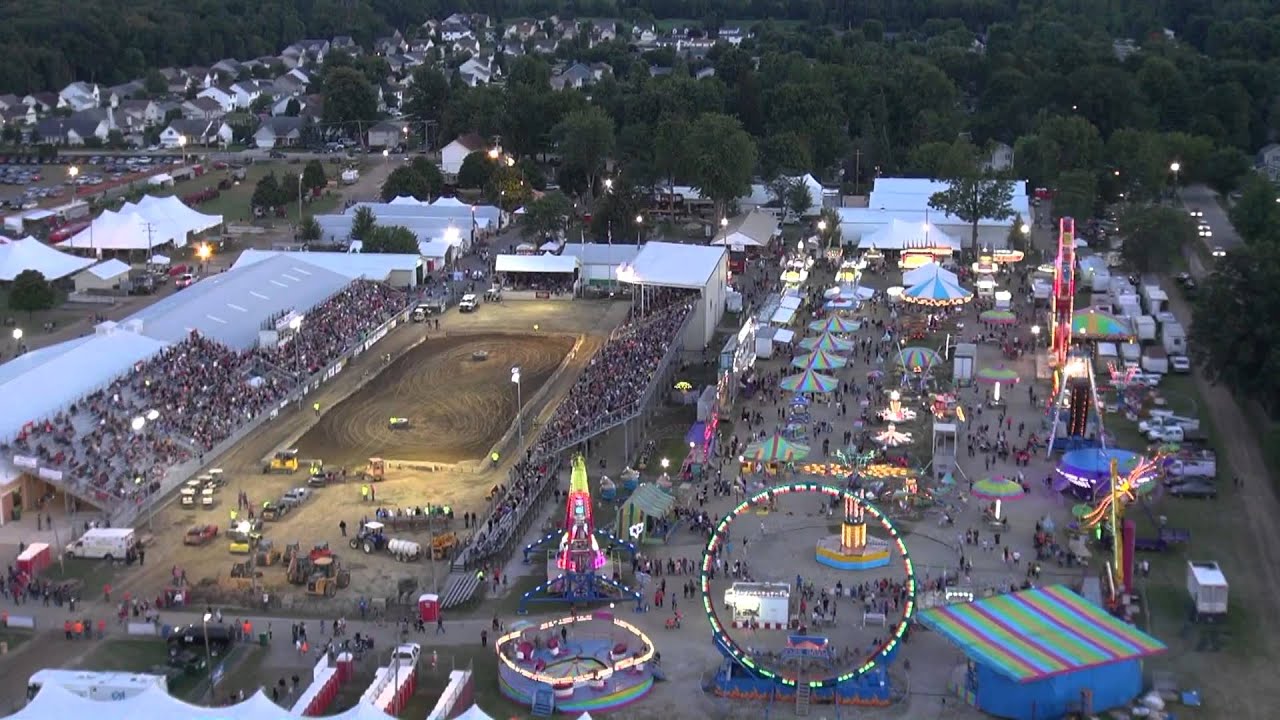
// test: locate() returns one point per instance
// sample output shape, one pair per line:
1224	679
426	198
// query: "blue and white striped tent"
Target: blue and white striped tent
937	290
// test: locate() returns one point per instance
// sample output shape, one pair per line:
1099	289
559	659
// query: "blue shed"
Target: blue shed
1043	653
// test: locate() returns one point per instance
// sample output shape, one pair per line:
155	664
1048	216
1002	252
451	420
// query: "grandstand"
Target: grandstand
125	414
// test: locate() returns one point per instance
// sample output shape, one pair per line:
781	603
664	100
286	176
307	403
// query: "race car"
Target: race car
399	423
200	534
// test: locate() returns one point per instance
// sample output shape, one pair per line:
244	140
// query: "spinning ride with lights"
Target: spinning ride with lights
1124	490
746	675
574	567
896	413
891	436
853	548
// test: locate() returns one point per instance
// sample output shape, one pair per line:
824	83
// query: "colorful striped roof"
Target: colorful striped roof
1037	634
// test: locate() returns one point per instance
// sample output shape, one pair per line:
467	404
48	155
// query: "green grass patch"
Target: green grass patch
14	638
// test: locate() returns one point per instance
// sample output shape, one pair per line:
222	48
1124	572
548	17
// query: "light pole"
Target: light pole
208	655
299	201
639	227
182	143
1175	167
515	378
822	231
296	326
386	155
1035	335
17	341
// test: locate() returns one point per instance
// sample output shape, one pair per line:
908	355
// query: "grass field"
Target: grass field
233	204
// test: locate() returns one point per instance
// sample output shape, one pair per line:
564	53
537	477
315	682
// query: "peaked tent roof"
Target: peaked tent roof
899	234
752	229
174	210
56	701
406	200
109	269
121	231
651	500
936	290
31	254
454	202
474	713
924	272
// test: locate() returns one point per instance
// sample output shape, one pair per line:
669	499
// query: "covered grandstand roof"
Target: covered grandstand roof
674	265
353	266
602	253
44	381
536	263
230	307
54	701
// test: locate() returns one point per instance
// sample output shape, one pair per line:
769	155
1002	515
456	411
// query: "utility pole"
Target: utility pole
857	171
150	230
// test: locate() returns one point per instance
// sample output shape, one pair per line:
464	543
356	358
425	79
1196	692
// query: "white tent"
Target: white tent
110	269
926	271
900	234
450	202
753	229
815	193
121	231
161	260
31	254
171	209
160	180
406	200
474	713
54	701
536	264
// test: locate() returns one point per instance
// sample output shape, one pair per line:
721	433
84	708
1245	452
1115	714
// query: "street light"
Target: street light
74	171
494	153
1026	229
295	325
639	227
386	155
515	378
1035	333
299	201
665	464
1175	167
208	655
203	252
182	143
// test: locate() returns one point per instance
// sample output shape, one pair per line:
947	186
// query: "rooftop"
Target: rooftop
675	265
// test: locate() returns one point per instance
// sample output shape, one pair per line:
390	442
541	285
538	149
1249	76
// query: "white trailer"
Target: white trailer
964	361
1145	326
1174	338
767	605
96	685
1207	586
1154	360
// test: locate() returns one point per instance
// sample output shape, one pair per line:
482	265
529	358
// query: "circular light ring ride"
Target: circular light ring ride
880	656
636	660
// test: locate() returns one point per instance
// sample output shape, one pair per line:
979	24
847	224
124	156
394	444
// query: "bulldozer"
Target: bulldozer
442	545
375	471
243	538
327	577
284	461
267	554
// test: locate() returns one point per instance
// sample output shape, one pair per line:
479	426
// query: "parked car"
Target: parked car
1180	363
192	637
184	280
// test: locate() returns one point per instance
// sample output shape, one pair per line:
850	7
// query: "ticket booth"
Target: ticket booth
429	607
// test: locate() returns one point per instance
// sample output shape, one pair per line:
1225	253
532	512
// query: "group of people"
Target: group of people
118	443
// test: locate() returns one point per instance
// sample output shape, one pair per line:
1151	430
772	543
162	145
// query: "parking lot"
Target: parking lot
27	181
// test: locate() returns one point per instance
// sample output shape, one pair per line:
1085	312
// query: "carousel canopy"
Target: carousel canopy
997	488
937	290
835	324
921	358
926	271
1094	324
999	374
828	342
809	381
819	360
775	449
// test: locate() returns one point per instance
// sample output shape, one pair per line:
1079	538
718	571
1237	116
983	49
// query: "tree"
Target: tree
547	215
1256	214
475	171
722	159
829	233
1235	327
309	230
268	193
799	198
784	153
430	175
293	108
390	239
1154	236
155	84
31	292
1224	168
313	176
507	188
585	140
349	100
1019	239
973	197
1076	194
363	223
428	97
404	181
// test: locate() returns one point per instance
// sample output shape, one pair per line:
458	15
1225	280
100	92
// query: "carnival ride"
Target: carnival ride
896	413
1064	293
891	437
574	566
1109	510
853	548
804	671
588	662
1075	407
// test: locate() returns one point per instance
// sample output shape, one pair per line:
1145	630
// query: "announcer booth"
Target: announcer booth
538	277
701	270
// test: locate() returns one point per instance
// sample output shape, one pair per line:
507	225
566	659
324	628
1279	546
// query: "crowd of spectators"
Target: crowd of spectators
117	444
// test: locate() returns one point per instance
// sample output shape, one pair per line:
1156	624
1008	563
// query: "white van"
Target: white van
104	543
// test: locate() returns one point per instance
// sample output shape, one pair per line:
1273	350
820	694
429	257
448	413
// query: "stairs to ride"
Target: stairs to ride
544	702
803	696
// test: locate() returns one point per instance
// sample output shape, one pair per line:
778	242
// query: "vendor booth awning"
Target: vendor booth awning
1094	324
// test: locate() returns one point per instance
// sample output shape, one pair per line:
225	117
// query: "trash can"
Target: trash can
262	639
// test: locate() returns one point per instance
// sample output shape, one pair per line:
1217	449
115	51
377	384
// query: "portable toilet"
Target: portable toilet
428	607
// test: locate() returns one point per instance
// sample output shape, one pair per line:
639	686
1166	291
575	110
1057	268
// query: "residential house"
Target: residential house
315	49
76	128
659	71
175	79
564	29
705	73
221	94
289	85
1001	158
203	108
467	45
293	56
579	75
458	18
19	114
201	77
393	43
1268	161
521	30
481	66
733	35
9	101
136	115
80	96
126	91
279	132
228	69
452	32
248	91
281	106
545	46
189	133
43	102
604	31
345	43
645	37
422	46
456	152
386	135
512	48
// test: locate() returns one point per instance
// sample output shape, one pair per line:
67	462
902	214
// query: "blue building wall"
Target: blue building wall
1111	686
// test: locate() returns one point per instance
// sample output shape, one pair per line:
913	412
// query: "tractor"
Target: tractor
267	554
243	538
371	538
243	575
375	472
327	577
284	461
442	545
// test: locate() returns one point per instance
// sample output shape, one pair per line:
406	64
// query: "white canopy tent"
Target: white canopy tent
31	254
406	200
485	216
900	234
123	231
160	180
160	260
674	265
474	713
449	202
753	229
537	264
171	209
54	701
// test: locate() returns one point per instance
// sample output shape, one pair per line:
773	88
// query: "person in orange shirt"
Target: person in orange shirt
78	628
106	592
102	629
67	628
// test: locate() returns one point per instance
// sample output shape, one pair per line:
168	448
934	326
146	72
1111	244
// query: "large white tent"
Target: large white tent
123	231
449	202
173	211
704	268
54	701
900	234
485	216
752	229
406	200
31	254
337	228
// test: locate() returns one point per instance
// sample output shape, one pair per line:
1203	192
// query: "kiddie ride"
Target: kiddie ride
574	566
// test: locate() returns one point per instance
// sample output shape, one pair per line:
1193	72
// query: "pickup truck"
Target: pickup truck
1174	434
1192	469
1163	422
296	496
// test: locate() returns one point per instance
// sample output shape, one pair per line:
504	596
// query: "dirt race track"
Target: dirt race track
458	406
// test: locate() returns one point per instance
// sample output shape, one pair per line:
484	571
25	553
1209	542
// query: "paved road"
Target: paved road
1200	197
